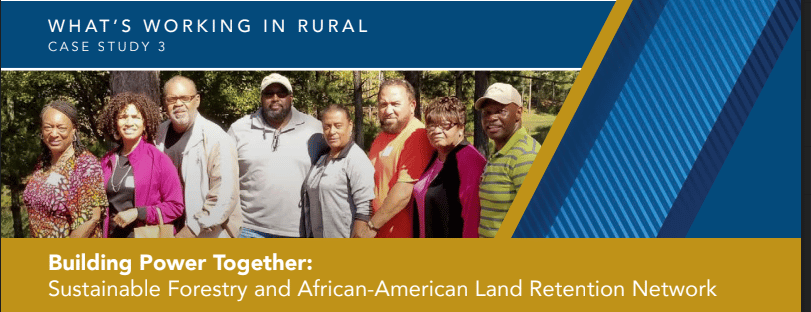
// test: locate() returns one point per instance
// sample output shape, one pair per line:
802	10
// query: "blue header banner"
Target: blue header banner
302	34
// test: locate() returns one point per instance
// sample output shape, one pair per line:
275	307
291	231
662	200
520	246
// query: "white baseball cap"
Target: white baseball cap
276	78
501	93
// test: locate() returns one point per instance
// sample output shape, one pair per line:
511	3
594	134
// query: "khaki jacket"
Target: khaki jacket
210	176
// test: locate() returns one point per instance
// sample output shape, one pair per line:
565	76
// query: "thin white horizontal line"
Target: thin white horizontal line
283	69
323	0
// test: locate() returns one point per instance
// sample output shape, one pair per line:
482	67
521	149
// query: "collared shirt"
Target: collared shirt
272	166
339	190
400	157
503	175
206	160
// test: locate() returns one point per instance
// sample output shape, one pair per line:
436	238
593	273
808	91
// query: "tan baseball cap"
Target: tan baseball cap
500	92
276	78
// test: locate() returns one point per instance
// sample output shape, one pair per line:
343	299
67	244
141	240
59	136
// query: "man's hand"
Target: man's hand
185	233
396	201
362	230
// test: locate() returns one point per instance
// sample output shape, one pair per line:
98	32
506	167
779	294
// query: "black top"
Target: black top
172	137
443	209
121	195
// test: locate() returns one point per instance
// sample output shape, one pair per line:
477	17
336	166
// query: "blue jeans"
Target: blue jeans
249	233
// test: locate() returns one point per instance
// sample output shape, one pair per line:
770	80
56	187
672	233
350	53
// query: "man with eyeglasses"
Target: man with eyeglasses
206	160
276	145
510	160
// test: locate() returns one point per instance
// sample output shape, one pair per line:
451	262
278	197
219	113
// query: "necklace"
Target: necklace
117	187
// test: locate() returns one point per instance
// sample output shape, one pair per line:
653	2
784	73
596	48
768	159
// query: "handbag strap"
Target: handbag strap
160	216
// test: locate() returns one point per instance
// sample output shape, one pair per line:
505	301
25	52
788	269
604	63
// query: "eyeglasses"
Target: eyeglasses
281	94
445	126
276	139
182	98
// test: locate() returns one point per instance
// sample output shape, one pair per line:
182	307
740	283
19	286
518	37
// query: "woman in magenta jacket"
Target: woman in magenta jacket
447	193
138	179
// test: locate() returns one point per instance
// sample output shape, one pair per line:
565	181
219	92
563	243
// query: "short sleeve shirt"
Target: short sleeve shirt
61	199
502	178
396	158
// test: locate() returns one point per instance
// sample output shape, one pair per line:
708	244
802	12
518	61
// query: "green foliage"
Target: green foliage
228	95
24	94
370	130
543	92
224	96
6	222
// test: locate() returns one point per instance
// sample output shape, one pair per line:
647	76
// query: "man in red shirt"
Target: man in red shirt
399	155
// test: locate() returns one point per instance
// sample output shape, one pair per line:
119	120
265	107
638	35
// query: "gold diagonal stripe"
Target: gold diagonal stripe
563	119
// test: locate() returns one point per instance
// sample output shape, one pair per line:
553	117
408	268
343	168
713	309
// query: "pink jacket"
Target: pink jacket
156	183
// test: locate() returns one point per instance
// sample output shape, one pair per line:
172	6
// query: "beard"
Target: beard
183	122
276	116
391	128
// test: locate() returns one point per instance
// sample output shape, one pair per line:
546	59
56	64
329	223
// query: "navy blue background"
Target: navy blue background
399	35
757	191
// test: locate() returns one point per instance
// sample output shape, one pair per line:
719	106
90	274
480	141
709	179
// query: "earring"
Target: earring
116	136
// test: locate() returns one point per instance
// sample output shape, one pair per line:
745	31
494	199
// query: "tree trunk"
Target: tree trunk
358	109
480	139
529	102
144	82
415	79
460	75
16	216
553	92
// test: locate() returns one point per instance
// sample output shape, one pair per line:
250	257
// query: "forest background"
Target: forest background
228	95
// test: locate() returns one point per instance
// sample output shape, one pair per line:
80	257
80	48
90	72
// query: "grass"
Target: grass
538	125
7	224
534	122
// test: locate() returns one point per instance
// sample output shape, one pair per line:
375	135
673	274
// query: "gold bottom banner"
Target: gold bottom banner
402	275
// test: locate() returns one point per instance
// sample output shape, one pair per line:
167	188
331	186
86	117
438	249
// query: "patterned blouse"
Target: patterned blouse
61	199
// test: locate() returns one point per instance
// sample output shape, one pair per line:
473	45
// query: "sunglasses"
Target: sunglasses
281	94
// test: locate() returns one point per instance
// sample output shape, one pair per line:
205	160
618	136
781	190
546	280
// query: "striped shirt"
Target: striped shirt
503	176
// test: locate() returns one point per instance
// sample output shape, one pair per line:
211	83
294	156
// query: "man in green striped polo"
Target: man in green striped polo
509	162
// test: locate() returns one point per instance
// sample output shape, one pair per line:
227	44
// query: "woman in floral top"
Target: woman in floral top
65	194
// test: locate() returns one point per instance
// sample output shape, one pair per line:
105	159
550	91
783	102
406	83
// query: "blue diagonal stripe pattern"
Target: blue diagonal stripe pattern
671	124
731	120
584	127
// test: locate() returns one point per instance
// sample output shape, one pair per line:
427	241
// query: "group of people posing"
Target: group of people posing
279	172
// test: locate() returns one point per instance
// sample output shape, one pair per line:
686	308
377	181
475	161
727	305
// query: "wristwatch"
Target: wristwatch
372	226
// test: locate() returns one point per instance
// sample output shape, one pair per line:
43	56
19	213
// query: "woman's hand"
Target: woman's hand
86	229
124	218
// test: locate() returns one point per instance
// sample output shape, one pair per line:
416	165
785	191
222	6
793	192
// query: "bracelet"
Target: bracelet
372	225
